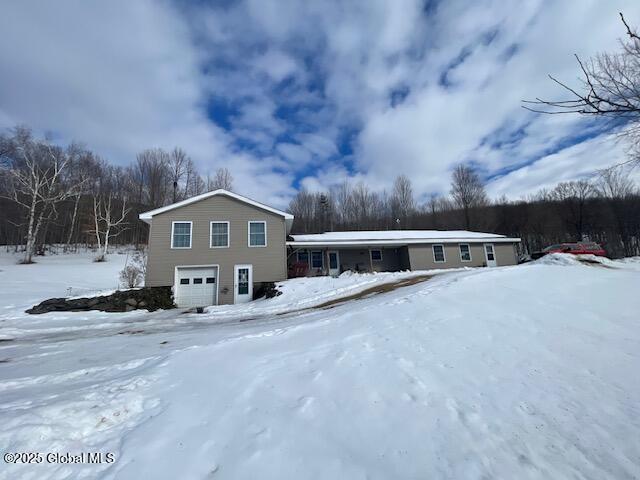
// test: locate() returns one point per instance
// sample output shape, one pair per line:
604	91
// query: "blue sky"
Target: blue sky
290	94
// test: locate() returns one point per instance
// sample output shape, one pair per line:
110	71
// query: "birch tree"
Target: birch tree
108	222
35	177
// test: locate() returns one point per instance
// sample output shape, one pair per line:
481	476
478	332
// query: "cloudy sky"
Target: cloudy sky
290	93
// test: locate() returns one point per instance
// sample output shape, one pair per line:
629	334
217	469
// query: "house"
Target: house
220	247
216	248
367	251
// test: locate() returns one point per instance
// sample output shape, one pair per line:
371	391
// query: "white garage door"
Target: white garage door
196	286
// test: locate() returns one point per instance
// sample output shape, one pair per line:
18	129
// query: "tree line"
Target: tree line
51	194
604	209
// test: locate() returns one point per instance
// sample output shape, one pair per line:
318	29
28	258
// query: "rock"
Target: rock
150	298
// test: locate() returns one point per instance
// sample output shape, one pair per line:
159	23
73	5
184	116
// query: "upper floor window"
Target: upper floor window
465	252
181	234
219	235
438	253
258	234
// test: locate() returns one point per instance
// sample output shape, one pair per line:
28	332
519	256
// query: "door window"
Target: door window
490	255
333	260
243	281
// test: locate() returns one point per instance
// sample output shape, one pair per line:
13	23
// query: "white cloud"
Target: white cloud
300	76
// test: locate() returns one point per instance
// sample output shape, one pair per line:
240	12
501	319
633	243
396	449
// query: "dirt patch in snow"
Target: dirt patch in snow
375	290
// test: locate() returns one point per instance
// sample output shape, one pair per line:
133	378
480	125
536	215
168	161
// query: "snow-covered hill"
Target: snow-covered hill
514	372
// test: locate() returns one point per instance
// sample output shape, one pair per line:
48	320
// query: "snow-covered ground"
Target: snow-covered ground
516	372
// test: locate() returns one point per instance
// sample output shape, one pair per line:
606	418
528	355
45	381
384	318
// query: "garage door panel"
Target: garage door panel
196	286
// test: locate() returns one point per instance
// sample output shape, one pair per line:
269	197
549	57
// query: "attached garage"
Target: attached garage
196	286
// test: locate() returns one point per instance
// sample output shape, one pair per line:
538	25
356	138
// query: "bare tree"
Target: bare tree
467	191
35	177
402	201
571	198
614	183
108	222
610	88
222	179
178	161
153	167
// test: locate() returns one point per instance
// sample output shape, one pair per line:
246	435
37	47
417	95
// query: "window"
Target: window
465	252
184	281
181	234
376	255
333	260
303	256
438	254
257	234
490	254
197	281
243	281
211	279
316	259
219	235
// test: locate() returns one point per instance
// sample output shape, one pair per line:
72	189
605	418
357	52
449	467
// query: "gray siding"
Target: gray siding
269	263
421	256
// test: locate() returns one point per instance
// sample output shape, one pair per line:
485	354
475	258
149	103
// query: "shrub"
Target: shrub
131	276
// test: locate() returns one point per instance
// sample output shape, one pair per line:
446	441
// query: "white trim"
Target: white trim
460	250
337	269
215	265
147	216
493	251
211	234
249	233
235	281
371	256
311	258
190	235
396	243
433	251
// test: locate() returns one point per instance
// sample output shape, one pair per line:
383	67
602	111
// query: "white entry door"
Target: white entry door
196	286
490	255
243	283
334	263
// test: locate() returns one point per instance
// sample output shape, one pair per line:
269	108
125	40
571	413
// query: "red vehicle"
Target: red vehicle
580	248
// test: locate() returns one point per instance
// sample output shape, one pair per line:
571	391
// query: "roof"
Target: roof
396	237
147	216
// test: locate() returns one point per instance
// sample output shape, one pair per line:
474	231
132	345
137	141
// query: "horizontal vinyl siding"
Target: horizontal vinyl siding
421	256
505	254
269	263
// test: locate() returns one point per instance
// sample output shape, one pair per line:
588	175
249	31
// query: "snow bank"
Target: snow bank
567	259
306	292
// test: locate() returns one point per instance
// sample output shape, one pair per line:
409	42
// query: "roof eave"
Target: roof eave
148	216
398	243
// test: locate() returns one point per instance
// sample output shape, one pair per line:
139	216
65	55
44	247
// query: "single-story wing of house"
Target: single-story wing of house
332	253
220	247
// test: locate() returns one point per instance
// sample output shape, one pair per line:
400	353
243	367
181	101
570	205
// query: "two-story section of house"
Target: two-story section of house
216	248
